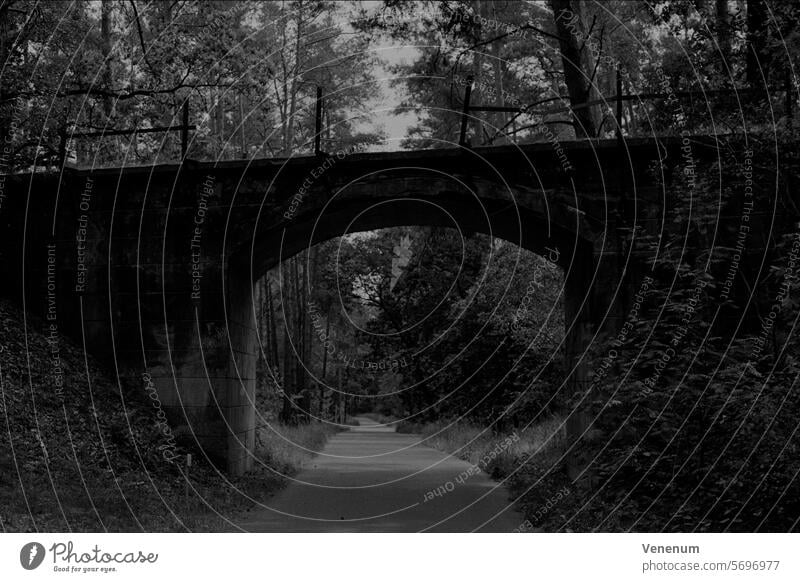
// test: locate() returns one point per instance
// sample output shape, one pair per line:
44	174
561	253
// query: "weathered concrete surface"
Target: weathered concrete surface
153	267
371	479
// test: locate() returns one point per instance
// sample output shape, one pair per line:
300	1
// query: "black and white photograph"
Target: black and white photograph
400	267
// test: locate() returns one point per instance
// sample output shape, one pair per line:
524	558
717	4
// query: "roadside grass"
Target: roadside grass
285	449
533	464
198	499
496	454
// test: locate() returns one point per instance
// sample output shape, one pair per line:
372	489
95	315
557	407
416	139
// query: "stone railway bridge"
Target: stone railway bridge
154	267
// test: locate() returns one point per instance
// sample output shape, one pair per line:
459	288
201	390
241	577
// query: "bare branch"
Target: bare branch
141	39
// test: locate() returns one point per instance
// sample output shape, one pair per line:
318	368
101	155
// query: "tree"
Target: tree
579	67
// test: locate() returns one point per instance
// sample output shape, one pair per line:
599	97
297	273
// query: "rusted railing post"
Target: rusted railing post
185	130
619	105
318	123
462	139
62	147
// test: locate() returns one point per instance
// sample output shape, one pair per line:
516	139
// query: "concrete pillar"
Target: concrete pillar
596	293
156	302
240	388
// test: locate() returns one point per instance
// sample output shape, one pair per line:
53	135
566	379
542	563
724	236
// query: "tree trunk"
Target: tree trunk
339	406
287	416
292	98
105	47
219	121
578	65
299	349
289	371
501	118
242	136
723	30
5	47
271	328
756	64
324	373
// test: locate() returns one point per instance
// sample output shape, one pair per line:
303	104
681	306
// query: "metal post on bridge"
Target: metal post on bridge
62	148
619	106
185	130
462	139
318	123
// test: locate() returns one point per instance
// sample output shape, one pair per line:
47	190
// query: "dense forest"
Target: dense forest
248	72
429	328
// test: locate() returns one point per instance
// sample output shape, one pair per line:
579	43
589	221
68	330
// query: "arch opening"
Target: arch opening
316	225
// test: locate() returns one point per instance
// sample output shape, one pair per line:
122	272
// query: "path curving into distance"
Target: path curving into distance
372	479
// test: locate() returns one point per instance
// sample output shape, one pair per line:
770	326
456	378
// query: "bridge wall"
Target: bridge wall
153	268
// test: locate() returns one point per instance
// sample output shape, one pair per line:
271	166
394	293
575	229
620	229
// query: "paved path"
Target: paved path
371	479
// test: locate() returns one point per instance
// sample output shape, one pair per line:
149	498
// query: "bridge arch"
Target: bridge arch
408	198
157	264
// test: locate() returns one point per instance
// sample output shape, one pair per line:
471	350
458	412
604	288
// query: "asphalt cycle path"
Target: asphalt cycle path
372	479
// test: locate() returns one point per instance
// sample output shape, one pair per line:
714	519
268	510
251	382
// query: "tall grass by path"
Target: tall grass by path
533	465
472	442
285	448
